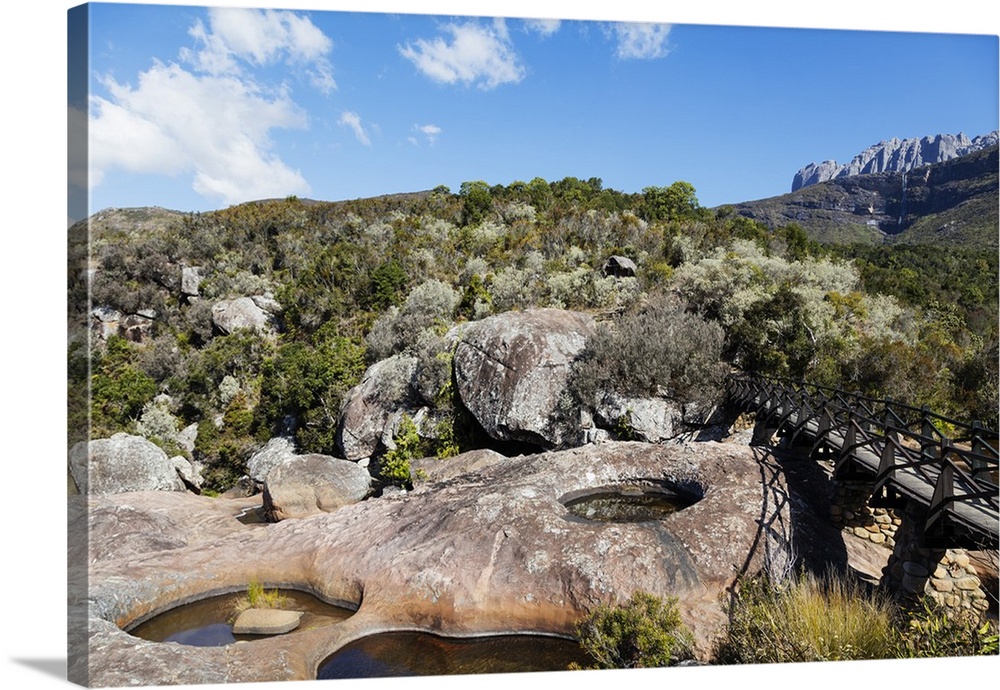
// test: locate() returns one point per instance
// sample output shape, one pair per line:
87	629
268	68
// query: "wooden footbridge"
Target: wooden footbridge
946	467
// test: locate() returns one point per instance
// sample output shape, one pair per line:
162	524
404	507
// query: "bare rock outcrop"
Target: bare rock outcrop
490	549
128	525
309	484
510	370
122	463
895	155
254	313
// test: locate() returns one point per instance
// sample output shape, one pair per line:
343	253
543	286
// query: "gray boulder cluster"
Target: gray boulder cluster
510	372
895	155
257	313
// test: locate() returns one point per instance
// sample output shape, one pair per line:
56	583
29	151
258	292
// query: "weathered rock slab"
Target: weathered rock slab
490	551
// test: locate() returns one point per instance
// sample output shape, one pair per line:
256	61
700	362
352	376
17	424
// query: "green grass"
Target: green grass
258	597
832	619
806	619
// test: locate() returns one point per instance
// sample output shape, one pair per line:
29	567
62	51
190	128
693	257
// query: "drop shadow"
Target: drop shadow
55	668
793	529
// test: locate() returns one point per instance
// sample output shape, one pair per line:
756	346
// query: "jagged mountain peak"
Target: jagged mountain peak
895	155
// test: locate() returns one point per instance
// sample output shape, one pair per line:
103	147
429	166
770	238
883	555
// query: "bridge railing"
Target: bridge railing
958	459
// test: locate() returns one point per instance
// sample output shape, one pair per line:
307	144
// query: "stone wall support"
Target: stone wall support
947	576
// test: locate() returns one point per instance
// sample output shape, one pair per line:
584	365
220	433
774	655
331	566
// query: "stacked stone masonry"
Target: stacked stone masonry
947	576
849	510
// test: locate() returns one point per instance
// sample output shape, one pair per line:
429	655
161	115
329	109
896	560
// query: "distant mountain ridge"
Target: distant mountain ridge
950	203
895	155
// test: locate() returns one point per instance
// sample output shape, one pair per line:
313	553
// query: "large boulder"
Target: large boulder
278	450
657	419
511	370
639	419
620	267
122	463
191	277
245	313
385	390
309	484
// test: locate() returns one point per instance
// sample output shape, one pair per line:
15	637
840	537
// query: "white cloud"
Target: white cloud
637	41
474	55
429	131
261	38
353	120
211	117
216	127
545	27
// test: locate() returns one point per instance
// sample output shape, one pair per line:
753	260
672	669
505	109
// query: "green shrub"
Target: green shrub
431	305
645	632
118	388
308	383
394	465
929	632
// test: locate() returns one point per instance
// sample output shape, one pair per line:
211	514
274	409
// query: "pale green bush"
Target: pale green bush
430	305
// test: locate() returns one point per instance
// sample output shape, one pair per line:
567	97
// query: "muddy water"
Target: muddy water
422	654
208	623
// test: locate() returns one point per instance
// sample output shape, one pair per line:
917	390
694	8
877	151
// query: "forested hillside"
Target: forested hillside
343	285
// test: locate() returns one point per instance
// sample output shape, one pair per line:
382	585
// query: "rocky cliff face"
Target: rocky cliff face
895	155
952	203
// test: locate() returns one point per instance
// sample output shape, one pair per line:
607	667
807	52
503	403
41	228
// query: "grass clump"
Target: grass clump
258	597
807	618
645	632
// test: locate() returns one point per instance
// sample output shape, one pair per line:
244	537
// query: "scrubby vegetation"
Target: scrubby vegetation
829	618
794	618
361	280
645	632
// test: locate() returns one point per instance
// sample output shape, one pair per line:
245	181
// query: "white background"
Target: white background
32	605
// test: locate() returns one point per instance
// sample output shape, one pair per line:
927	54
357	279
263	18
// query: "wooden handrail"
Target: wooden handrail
899	438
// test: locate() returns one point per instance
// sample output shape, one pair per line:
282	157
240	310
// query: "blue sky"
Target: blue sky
194	108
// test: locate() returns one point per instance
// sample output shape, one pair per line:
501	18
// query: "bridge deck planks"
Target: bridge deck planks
974	514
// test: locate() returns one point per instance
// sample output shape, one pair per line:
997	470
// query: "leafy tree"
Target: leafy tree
305	384
387	283
676	202
476	201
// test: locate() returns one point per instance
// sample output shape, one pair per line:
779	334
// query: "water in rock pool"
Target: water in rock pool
208	623
422	654
618	507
